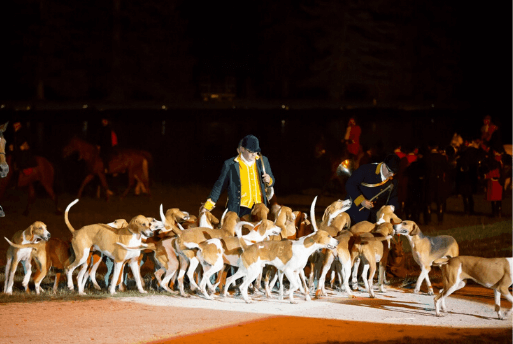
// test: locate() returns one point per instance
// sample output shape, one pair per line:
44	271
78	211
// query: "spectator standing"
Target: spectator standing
493	183
352	140
21	148
437	184
467	177
106	140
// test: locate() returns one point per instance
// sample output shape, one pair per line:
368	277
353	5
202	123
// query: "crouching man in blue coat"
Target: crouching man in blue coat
368	181
245	178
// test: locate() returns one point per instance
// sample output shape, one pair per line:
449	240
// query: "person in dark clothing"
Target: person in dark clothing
368	181
106	140
468	175
437	183
415	203
20	145
245	177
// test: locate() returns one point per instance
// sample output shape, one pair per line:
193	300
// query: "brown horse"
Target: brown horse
133	161
42	173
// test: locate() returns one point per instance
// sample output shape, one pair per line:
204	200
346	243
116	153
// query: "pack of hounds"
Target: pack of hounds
215	254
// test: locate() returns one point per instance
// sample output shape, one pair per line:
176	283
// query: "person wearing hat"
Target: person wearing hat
20	146
245	178
368	181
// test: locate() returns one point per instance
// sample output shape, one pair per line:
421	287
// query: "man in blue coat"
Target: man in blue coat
368	181
245	178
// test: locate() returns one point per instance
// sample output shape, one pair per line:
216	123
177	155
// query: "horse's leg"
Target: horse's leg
103	182
49	190
131	182
86	181
31	199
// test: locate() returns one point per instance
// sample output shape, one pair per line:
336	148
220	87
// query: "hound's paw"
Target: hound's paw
294	302
416	291
440	315
143	291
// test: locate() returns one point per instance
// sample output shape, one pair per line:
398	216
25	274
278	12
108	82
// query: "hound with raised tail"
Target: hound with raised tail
493	273
426	249
35	232
288	256
103	239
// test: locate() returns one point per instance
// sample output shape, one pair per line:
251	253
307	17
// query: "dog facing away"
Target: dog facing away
426	249
35	232
493	273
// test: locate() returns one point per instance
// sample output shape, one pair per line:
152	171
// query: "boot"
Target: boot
494	209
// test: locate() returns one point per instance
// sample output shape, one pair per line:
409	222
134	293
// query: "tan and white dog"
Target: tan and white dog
96	256
493	273
52	253
103	238
426	249
288	256
36	231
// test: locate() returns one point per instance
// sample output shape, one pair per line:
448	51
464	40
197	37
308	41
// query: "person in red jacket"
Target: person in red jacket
493	185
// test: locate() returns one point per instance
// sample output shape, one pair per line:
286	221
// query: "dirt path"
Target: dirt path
396	315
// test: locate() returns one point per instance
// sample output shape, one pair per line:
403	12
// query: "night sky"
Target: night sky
333	51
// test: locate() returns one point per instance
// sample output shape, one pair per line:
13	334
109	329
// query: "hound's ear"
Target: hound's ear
416	230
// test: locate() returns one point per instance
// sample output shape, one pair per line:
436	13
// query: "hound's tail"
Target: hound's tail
31	245
142	246
312	215
66	220
441	261
238	231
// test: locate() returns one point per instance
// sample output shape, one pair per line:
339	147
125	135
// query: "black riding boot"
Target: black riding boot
494	209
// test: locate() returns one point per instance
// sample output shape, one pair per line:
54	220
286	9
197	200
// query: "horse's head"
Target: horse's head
4	167
72	146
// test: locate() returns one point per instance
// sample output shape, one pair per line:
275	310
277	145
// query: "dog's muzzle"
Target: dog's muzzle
148	233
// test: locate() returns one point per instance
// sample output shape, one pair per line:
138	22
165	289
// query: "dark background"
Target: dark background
289	72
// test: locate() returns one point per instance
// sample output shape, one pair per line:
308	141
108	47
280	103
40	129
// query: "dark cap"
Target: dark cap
392	162
250	142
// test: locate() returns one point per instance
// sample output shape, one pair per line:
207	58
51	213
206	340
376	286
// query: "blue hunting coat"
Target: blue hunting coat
365	183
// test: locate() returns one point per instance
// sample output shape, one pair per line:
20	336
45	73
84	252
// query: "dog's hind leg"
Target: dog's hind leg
7	274
193	264
28	273
81	279
91	272
356	266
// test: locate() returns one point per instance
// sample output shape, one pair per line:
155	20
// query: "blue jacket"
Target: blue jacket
366	183
230	179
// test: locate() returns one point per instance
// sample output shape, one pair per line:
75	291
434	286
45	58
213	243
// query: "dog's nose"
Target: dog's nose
49	235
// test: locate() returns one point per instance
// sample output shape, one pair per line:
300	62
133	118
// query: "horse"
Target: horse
4	167
43	173
133	161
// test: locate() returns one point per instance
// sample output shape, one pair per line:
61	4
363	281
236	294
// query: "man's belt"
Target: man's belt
375	185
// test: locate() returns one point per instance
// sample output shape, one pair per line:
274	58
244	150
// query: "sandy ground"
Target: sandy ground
165	318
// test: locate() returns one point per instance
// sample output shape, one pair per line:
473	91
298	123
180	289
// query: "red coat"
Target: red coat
493	187
353	142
